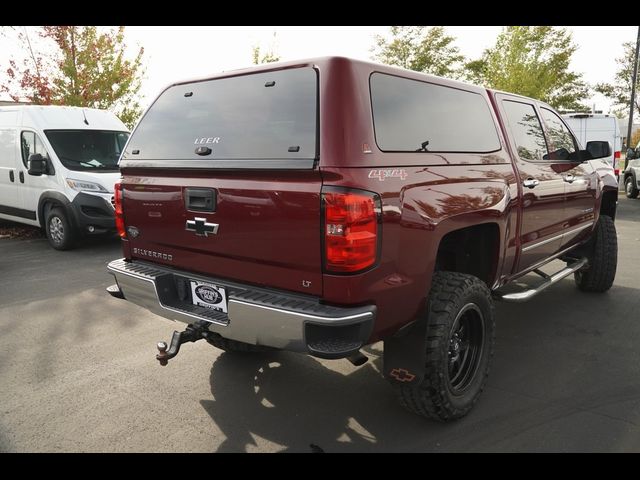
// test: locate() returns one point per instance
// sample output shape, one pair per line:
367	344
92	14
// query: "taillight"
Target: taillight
117	200
351	230
616	163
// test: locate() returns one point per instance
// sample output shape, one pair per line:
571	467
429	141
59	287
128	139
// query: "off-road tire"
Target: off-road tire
434	397
602	252
233	346
59	231
630	189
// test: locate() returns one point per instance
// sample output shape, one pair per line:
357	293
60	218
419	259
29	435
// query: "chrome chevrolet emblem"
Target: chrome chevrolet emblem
202	227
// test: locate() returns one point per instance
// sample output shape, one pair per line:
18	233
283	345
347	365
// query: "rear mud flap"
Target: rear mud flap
405	354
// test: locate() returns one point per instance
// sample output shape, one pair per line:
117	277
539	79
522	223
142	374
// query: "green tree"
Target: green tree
420	48
88	69
268	57
532	61
620	90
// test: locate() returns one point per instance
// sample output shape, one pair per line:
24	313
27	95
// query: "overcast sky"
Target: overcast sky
174	53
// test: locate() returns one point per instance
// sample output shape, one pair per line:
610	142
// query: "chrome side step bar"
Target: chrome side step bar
549	280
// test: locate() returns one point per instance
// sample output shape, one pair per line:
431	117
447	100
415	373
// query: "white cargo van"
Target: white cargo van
58	166
597	126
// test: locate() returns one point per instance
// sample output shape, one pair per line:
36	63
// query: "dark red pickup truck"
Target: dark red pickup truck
322	205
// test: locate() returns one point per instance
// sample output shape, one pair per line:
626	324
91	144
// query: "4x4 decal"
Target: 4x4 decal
382	173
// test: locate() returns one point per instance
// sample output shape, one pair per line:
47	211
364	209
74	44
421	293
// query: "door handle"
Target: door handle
21	177
11	176
530	183
569	178
200	199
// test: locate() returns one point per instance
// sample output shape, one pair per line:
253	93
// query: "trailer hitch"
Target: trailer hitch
192	333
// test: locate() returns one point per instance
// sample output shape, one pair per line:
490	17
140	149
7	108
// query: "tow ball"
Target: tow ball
192	333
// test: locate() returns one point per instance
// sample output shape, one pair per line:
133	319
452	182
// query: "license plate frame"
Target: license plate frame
209	295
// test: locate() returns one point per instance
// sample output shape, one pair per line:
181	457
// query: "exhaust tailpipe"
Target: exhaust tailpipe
358	359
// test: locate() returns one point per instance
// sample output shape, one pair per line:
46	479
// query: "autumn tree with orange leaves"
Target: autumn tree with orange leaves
81	67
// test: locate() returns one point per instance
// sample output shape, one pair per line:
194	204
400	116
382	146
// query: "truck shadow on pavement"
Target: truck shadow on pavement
297	403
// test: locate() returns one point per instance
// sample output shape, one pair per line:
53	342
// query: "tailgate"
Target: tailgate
268	226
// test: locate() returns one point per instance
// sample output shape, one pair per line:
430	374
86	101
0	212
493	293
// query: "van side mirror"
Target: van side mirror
37	165
599	149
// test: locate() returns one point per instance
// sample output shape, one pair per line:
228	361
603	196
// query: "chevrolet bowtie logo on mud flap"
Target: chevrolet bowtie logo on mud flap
402	375
202	227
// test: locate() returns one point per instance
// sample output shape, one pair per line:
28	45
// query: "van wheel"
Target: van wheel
459	347
59	231
630	187
233	346
602	253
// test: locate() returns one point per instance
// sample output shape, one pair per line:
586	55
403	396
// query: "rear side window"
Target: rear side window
526	130
268	115
411	115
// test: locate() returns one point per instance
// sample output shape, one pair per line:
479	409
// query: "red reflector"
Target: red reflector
351	231
616	155
617	171
117	201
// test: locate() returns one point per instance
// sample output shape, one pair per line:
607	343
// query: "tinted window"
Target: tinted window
31	144
526	130
561	143
88	149
408	113
259	116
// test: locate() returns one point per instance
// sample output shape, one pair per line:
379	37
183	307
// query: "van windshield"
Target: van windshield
266	116
88	149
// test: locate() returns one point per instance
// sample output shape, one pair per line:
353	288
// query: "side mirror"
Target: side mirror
631	154
37	165
599	149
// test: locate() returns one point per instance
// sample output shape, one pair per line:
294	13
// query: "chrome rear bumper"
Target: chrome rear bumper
257	316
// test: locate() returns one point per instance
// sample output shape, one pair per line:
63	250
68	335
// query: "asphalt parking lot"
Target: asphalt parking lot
78	373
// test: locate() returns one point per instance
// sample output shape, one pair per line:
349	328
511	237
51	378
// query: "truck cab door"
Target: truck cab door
542	184
580	179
